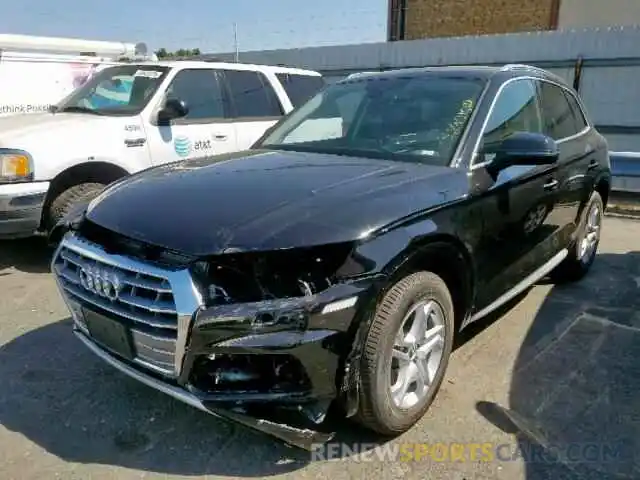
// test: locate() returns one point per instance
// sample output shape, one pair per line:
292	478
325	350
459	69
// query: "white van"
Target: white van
37	72
129	117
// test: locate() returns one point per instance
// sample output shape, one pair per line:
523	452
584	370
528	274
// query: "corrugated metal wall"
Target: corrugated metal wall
609	82
592	13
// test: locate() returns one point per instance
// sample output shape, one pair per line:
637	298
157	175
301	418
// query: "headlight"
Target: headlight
294	275
15	166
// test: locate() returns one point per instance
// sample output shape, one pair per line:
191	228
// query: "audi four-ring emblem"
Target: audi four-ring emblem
103	283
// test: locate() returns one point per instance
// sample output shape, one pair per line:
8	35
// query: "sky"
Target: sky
204	24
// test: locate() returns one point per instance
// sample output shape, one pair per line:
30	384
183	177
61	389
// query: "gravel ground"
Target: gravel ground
556	374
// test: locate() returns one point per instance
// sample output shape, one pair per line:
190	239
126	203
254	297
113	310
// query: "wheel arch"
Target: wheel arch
436	253
446	256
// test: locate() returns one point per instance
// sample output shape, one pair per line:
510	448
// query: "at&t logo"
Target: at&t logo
182	146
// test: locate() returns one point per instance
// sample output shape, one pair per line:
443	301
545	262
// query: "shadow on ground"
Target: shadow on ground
71	404
31	255
575	393
75	407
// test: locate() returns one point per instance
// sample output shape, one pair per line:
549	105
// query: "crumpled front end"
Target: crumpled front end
257	338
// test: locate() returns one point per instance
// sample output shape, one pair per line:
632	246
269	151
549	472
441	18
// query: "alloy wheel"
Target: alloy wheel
417	353
591	236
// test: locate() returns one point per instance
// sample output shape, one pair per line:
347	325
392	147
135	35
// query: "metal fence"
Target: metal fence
625	168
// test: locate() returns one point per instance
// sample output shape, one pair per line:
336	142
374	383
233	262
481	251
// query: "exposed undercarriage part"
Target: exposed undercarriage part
257	276
287	425
236	381
299	423
249	374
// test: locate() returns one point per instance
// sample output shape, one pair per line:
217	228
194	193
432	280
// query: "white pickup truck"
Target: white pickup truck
130	117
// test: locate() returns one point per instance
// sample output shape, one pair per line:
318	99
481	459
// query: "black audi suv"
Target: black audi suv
329	268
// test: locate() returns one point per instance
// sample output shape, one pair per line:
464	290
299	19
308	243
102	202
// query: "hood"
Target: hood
21	125
264	200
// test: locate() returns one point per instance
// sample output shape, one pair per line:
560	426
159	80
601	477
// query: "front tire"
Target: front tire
406	353
65	201
583	251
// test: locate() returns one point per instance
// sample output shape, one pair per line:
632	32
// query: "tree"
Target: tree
181	52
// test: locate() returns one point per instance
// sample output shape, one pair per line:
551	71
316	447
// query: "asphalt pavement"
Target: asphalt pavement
547	389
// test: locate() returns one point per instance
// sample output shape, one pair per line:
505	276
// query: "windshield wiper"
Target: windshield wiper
77	109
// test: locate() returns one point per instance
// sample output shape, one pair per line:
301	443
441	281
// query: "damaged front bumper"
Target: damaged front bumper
275	366
304	438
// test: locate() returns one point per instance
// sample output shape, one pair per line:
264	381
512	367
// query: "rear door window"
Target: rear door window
252	96
300	88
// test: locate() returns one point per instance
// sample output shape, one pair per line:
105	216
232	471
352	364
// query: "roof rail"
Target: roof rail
521	66
360	74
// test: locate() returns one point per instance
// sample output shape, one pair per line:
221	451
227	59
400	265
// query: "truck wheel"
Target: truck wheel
64	202
406	353
583	252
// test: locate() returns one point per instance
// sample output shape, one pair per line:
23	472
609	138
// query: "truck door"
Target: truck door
207	129
122	89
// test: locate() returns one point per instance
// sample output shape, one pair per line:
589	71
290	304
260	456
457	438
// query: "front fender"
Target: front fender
58	168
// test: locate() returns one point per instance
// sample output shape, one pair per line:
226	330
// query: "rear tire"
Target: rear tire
583	252
401	345
75	195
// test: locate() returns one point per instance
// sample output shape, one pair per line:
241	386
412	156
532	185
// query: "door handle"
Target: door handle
592	164
551	184
220	136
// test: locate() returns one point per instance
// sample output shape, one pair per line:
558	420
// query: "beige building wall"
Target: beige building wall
597	13
447	18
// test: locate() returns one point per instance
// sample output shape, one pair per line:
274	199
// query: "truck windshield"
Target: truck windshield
416	118
120	90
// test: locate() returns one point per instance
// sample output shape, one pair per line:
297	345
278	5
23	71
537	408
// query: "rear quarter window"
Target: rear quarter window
300	88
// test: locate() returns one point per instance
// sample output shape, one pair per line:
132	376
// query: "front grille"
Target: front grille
145	302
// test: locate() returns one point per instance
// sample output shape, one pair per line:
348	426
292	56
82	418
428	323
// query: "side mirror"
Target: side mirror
522	148
173	108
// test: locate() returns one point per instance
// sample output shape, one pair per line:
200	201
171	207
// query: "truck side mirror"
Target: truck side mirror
173	108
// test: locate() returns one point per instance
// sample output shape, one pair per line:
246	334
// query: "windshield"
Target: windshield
408	118
120	90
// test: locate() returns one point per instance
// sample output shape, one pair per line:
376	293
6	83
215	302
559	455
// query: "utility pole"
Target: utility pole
235	40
